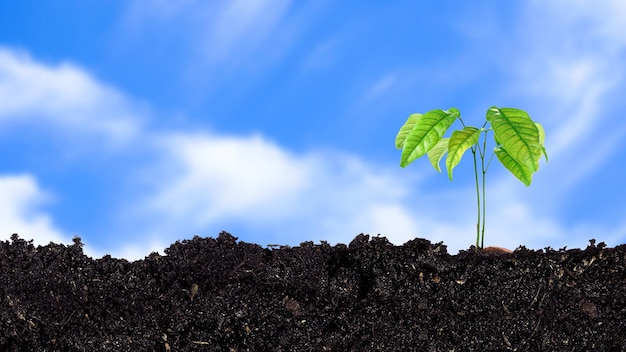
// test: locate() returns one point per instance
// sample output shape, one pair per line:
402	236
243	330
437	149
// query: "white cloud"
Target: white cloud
227	176
579	88
250	180
21	198
393	220
61	96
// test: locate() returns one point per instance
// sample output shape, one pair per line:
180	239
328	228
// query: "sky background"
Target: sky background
134	124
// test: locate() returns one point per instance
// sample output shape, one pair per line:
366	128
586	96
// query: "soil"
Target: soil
221	294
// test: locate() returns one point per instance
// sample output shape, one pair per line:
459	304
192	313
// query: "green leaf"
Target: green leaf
405	129
460	141
426	133
520	171
518	134
437	152
495	138
542	139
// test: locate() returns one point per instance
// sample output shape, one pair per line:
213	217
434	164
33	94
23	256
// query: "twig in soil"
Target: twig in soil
535	299
68	319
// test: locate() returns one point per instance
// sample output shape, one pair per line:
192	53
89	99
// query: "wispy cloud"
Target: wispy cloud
219	36
380	87
242	26
220	177
323	55
323	194
20	211
64	97
576	88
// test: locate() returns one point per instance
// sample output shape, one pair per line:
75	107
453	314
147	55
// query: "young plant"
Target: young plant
519	144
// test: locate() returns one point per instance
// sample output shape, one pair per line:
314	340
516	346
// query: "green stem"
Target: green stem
482	237
477	198
482	161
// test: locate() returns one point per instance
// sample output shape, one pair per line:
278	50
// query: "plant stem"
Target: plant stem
482	162
477	198
482	236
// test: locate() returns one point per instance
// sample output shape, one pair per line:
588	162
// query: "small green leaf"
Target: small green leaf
518	134
437	152
405	129
426	133
460	141
518	170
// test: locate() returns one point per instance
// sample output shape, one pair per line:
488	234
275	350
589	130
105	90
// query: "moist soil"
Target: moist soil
220	294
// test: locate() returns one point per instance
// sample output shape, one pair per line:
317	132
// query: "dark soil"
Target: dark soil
210	294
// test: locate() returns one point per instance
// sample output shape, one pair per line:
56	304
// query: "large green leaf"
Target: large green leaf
426	133
405	129
437	152
460	141
520	171
518	134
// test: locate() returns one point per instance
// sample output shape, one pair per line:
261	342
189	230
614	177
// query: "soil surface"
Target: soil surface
209	294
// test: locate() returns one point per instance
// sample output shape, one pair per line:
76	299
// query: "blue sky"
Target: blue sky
134	124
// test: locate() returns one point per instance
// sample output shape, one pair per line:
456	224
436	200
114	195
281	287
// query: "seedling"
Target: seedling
519	144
